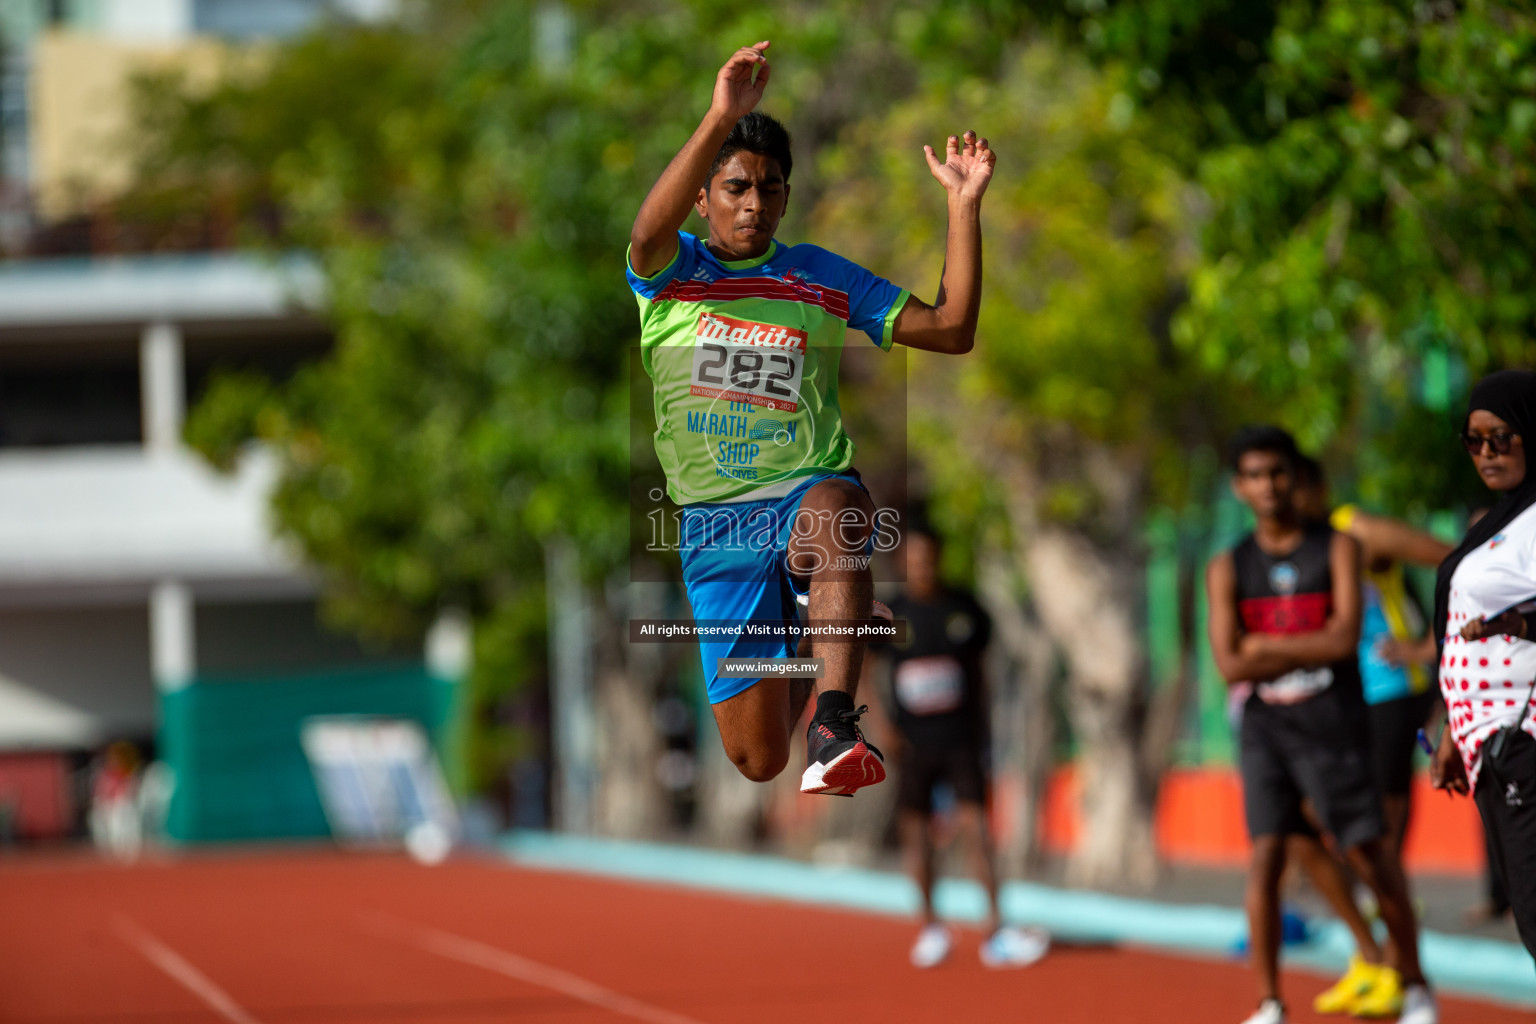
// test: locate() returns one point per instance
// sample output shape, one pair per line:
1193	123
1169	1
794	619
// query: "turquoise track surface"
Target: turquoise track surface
1483	968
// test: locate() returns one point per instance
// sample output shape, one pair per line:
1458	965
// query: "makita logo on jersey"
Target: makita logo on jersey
714	327
1293	613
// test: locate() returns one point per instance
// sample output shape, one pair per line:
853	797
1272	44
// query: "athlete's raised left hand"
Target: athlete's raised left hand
967	166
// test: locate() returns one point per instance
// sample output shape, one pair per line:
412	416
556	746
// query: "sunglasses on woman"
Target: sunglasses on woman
1501	442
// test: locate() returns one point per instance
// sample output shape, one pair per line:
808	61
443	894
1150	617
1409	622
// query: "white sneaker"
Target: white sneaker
932	946
1270	1011
1014	947
1419	1006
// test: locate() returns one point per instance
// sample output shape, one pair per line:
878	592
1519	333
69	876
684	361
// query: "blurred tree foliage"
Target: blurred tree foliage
1369	247
1089	236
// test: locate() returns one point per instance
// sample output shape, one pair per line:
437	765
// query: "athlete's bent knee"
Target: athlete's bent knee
760	765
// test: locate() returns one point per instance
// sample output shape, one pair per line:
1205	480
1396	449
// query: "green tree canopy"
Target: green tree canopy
1369	245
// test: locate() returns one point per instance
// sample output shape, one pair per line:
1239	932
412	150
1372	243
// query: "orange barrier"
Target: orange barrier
1200	821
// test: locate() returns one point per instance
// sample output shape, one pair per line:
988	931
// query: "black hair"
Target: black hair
1263	437
756	133
1309	472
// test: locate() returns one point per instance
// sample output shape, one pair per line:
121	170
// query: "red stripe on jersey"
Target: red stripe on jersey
728	288
1298	613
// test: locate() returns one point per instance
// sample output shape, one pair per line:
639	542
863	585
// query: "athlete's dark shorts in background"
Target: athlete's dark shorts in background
1317	750
921	768
1394	737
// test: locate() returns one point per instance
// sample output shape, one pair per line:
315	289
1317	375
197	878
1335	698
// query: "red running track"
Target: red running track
294	937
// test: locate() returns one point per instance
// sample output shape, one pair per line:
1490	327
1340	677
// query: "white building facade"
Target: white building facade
138	585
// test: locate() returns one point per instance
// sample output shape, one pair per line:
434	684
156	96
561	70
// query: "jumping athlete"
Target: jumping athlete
1285	615
741	336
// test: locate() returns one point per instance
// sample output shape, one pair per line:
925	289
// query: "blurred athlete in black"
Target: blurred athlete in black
1285	616
939	712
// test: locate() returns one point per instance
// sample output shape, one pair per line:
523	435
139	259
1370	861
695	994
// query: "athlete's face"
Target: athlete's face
1499	472
1264	483
744	203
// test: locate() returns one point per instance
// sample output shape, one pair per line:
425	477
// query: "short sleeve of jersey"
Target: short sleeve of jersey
873	302
682	267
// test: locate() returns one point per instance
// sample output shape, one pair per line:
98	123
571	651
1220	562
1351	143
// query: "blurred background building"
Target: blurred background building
142	594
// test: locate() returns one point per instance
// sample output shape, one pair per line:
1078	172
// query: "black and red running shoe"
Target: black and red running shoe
841	760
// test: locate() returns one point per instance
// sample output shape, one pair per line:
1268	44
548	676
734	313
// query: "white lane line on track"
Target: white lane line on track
174	964
478	954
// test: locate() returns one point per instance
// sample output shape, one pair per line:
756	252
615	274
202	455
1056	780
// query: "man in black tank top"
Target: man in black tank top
1285	616
938	707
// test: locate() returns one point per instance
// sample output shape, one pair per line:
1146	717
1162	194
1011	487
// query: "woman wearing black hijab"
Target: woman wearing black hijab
1485	617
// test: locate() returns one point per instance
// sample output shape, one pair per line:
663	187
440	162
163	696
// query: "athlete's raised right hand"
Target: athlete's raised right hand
736	94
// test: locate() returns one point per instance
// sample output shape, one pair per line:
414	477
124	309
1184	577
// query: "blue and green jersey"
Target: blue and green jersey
744	356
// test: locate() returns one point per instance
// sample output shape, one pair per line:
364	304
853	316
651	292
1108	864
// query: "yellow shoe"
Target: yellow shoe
1383	999
1341	995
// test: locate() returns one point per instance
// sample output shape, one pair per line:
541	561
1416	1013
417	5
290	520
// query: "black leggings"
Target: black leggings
1512	829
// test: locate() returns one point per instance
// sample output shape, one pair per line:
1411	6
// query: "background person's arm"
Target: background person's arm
1513	623
949	325
1339	638
1382	537
1446	769
1407	652
653	239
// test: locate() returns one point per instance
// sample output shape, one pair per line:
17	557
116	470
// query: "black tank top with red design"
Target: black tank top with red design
1292	593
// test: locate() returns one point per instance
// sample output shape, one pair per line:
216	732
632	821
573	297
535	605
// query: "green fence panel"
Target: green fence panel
234	744
1164	641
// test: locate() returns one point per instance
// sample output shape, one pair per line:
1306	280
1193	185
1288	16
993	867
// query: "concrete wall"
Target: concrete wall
80	105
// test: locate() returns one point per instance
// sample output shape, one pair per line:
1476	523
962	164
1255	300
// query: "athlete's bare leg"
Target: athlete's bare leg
1396	809
1263	902
755	726
1395	806
1328	878
1385	877
971	820
917	851
827	551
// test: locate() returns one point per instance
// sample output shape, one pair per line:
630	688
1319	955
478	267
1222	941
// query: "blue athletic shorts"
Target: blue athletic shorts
735	570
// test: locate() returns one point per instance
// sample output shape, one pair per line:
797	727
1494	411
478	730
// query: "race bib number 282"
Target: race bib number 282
745	361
